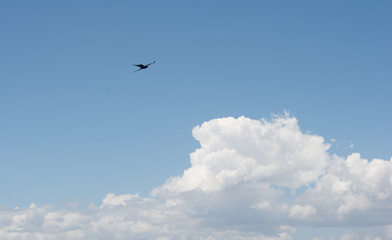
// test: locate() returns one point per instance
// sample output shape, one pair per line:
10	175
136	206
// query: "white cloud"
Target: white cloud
302	212
370	233
245	150
112	200
250	179
355	190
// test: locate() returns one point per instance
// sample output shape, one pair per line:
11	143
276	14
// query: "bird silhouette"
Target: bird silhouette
142	66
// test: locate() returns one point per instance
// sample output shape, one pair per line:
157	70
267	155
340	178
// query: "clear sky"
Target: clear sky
77	123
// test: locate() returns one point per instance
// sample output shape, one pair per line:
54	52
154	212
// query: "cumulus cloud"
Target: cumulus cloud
250	179
302	212
245	150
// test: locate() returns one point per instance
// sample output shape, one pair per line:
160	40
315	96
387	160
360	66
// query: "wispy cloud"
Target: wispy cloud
249	179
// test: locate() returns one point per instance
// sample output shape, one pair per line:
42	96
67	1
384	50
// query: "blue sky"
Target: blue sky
78	123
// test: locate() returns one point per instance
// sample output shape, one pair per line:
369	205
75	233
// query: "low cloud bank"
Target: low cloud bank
250	179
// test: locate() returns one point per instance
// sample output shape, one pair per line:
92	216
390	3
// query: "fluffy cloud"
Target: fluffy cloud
245	150
250	179
355	191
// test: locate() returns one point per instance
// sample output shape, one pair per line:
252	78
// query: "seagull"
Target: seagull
142	66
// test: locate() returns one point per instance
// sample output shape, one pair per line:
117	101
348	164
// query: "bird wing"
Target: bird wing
138	65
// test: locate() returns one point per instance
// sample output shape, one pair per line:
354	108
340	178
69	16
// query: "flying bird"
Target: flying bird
142	66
